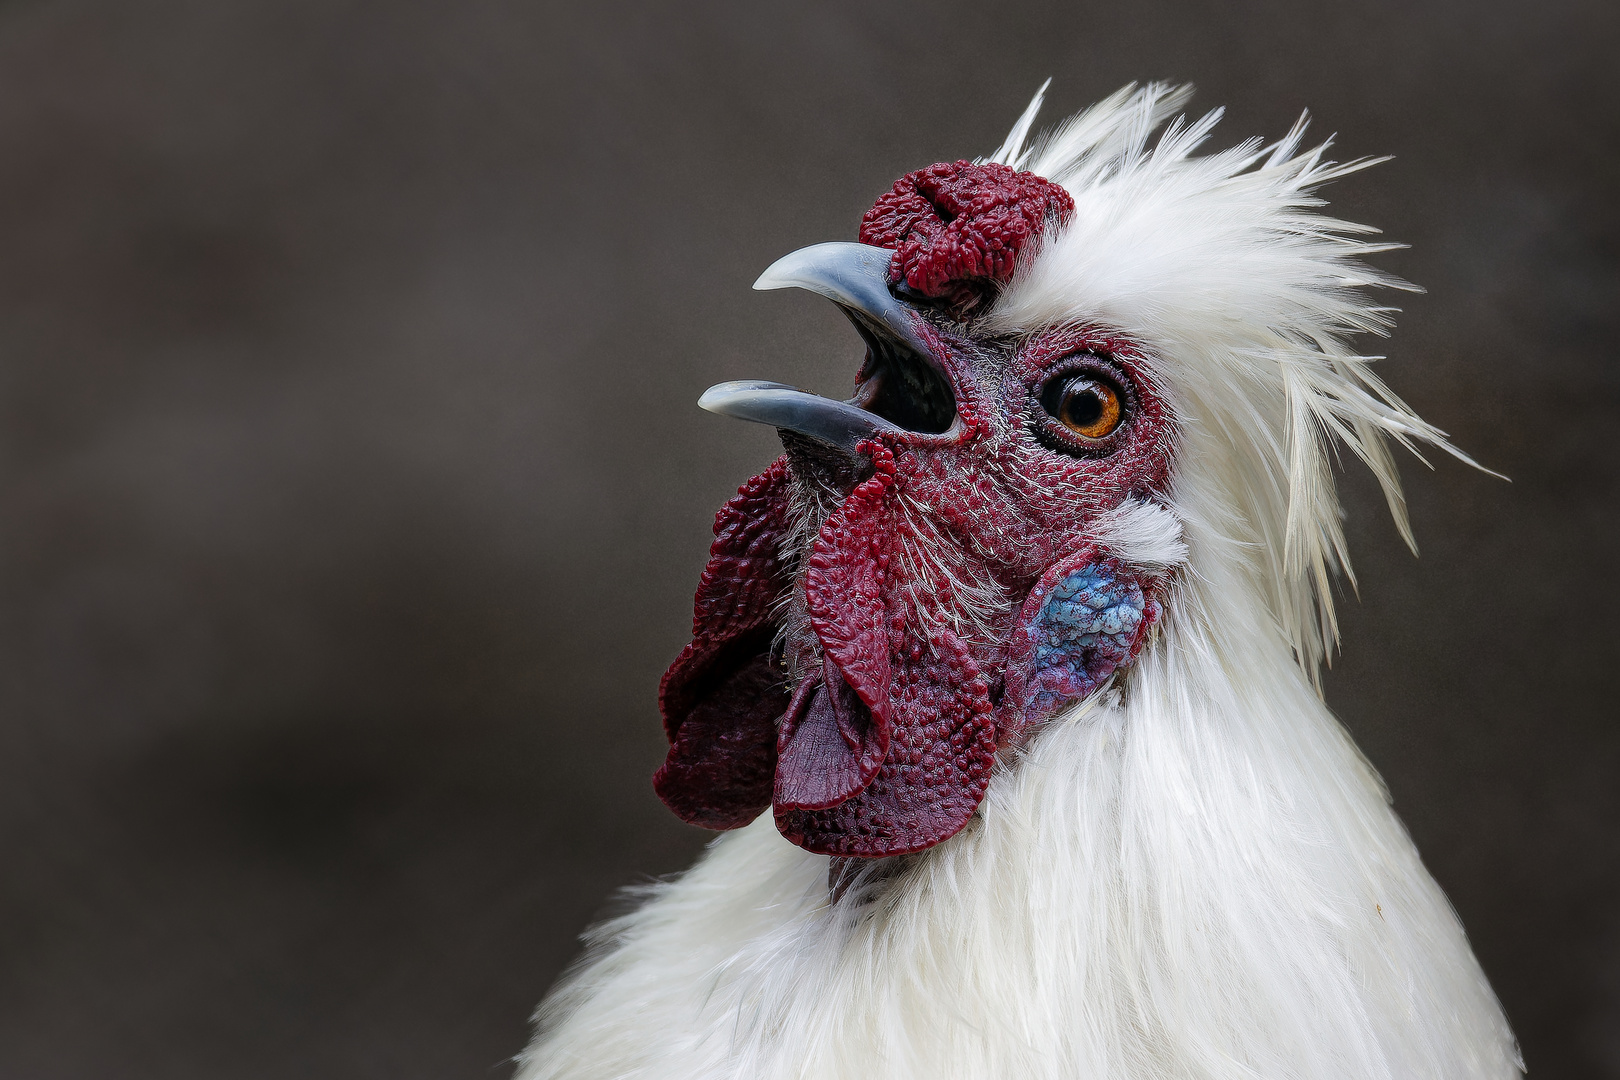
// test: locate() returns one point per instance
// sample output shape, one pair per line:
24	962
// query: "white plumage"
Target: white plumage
1193	873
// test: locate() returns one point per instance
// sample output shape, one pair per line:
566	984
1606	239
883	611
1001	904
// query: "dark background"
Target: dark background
352	492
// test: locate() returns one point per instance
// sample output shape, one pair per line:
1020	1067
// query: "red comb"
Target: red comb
957	227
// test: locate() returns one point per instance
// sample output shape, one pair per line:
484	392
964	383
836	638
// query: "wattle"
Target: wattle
887	745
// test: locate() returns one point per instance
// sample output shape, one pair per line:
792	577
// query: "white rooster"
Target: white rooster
1018	647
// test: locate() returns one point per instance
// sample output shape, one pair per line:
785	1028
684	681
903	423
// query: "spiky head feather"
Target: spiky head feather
1247	297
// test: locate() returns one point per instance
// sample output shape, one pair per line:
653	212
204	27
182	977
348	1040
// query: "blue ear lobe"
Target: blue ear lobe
1084	630
1087	617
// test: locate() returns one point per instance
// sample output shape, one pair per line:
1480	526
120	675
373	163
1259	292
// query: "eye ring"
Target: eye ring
1083	406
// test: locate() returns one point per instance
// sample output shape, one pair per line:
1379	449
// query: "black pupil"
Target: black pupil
1078	402
1082	403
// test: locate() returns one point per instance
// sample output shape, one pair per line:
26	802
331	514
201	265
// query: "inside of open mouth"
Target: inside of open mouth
902	387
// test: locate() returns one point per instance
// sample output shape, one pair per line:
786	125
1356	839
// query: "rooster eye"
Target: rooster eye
1082	408
1086	406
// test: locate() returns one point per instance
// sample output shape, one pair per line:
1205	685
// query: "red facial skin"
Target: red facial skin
988	503
913	651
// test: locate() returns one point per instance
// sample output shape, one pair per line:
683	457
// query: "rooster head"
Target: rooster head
1105	384
926	573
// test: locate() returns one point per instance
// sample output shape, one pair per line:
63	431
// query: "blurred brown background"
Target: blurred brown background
352	491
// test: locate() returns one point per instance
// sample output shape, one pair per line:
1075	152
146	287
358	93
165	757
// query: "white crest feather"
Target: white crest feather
1223	268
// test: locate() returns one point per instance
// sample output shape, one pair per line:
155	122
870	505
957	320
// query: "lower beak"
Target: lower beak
836	423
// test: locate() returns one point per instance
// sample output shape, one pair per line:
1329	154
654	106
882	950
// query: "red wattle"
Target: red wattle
830	746
930	706
844	584
941	752
722	696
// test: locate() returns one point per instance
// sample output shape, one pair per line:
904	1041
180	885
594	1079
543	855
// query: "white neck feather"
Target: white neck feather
1199	877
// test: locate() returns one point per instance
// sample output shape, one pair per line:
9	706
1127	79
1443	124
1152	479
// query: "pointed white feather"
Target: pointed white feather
1013	149
1221	266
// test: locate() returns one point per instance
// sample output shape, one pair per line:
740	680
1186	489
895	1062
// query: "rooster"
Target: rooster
1003	683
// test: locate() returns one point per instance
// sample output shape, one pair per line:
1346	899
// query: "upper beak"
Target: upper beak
856	278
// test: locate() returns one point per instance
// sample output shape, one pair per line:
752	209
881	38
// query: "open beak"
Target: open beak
856	278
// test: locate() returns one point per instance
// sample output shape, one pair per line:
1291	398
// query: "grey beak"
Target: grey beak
856	278
836	423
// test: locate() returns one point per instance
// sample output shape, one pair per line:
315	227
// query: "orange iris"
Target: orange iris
1089	407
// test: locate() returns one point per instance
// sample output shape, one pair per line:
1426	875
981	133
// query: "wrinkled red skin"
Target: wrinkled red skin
722	696
957	228
904	697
